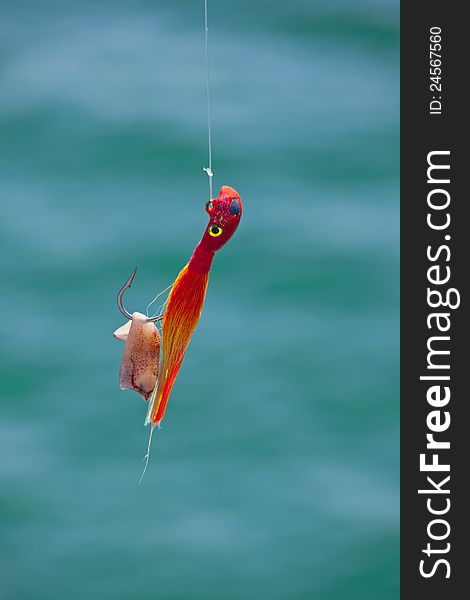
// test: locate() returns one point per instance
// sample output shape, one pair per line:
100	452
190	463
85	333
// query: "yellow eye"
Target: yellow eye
215	230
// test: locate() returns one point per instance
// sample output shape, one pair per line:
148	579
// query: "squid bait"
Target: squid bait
139	364
184	304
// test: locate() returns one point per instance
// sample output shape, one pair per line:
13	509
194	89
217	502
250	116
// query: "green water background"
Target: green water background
276	473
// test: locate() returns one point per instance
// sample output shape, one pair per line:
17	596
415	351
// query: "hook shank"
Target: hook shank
121	306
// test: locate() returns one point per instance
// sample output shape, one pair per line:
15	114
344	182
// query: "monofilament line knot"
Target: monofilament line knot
210	175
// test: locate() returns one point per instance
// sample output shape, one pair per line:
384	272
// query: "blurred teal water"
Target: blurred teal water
276	473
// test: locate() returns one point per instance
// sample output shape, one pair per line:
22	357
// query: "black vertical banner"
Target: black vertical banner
435	252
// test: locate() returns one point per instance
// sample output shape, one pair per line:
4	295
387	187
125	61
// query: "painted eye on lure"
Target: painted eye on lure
208	206
215	230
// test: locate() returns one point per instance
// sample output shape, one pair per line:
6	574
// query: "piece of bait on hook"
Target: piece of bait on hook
139	364
186	298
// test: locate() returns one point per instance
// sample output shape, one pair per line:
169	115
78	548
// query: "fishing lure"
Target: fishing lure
184	304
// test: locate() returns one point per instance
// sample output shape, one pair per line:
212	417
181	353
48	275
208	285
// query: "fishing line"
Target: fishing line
147	456
156	298
208	169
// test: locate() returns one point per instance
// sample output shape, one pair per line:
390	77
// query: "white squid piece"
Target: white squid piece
139	364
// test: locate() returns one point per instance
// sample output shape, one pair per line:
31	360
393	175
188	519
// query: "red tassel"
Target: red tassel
182	313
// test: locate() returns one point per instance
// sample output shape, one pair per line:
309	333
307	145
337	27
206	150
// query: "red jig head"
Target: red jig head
224	216
224	213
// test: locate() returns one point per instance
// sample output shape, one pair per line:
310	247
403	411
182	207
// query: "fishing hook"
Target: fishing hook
121	307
